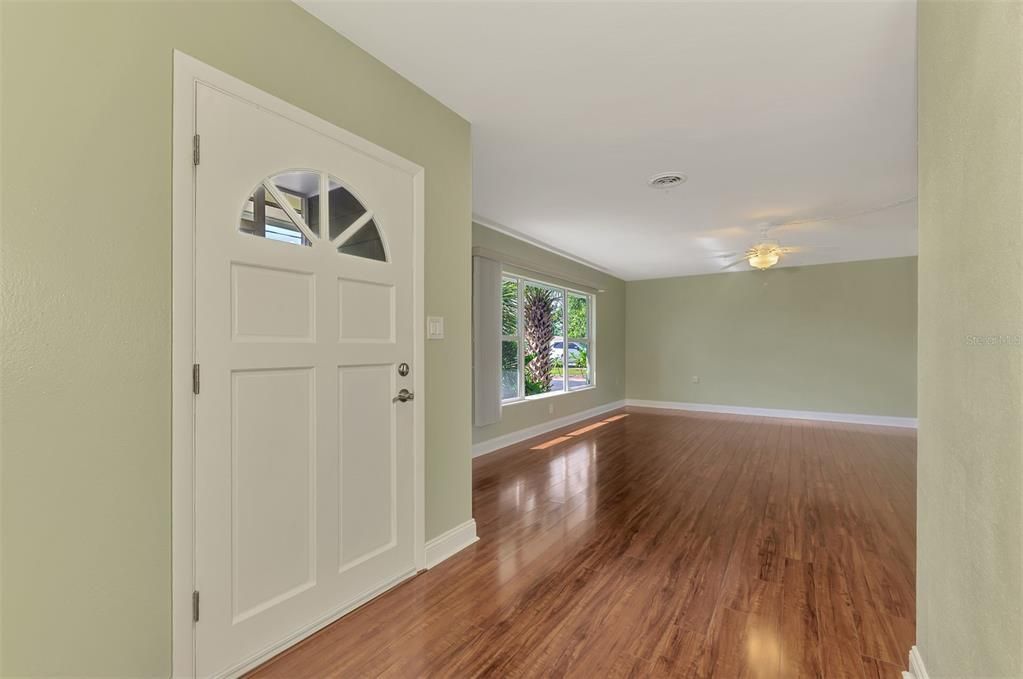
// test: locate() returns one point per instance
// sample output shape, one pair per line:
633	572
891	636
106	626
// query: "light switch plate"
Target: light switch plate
434	327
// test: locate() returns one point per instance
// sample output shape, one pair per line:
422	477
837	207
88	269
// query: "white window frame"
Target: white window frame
519	337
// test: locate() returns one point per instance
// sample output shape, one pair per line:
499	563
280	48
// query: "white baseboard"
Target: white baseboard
916	665
853	418
498	442
451	542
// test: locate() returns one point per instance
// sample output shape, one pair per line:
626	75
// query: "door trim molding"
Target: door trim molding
189	71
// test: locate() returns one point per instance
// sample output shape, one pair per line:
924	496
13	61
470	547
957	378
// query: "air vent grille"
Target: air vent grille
666	180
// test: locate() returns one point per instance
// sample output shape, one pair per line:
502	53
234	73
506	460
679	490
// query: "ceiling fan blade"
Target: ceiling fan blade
726	255
738	261
796	249
842	216
781	226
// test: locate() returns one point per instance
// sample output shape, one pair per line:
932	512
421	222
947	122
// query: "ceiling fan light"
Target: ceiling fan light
764	259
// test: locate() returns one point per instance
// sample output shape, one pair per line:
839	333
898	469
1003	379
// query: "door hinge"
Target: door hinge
195	378
195	149
195	606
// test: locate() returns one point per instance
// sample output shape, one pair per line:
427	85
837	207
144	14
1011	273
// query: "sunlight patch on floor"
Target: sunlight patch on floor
578	432
553	442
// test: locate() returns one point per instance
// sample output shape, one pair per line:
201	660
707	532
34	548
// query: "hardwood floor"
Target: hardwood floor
649	544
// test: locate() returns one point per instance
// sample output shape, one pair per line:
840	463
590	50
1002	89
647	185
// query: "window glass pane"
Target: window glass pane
342	208
558	345
509	369
509	306
262	216
541	314
298	187
365	243
559	314
558	373
579	368
578	316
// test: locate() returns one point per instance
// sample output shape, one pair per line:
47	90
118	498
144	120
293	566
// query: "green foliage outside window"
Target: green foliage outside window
509	307
578	316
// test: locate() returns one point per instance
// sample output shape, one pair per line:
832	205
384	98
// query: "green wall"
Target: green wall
970	464
832	338
610	319
85	232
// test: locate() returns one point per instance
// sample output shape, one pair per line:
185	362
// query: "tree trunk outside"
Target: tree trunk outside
538	318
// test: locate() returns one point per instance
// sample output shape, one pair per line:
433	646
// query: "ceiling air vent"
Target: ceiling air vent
666	180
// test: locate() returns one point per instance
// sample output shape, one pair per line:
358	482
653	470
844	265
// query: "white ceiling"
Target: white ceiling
776	111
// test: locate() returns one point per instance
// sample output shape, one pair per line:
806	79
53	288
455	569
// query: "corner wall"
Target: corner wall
610	354
970	460
835	338
85	274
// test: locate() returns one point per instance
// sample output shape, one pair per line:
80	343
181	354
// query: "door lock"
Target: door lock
403	369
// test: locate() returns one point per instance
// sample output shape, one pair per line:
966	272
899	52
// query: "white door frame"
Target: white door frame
187	72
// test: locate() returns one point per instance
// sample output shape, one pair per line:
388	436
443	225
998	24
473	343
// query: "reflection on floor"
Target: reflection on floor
660	544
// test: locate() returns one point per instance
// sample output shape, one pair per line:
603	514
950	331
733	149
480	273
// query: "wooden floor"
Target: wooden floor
653	544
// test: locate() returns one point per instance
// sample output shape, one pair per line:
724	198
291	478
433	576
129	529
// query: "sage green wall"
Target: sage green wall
610	357
970	464
86	290
832	338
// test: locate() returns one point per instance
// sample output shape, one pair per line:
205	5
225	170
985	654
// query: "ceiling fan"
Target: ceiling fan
768	251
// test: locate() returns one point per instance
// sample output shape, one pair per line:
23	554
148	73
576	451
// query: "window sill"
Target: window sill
550	394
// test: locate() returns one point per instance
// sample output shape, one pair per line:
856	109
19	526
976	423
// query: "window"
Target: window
286	208
547	344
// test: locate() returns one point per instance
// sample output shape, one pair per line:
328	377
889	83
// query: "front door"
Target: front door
304	461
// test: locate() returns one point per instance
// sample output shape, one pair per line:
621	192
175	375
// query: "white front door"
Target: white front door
304	461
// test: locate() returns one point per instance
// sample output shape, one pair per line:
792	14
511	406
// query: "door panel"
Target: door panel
272	305
304	462
273	480
365	311
368	480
